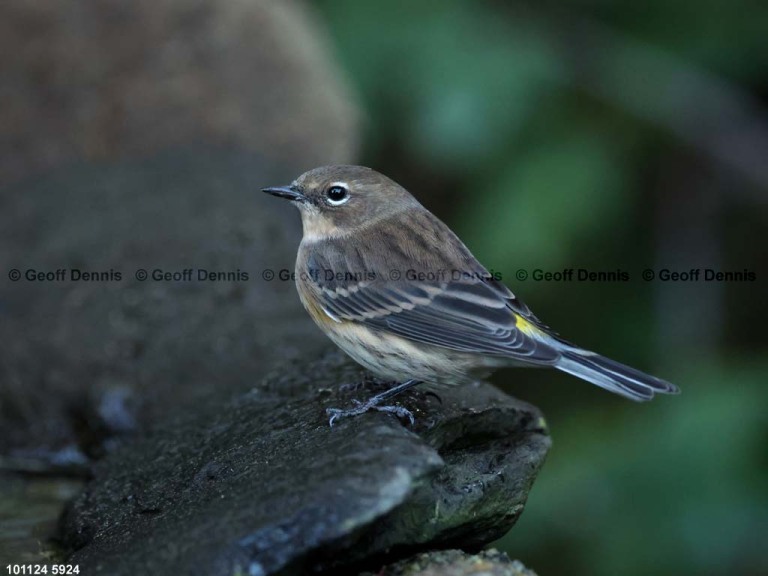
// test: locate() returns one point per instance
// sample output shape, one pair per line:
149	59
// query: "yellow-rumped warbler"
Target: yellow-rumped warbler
398	291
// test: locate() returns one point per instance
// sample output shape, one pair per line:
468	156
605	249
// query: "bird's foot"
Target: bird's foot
374	404
363	407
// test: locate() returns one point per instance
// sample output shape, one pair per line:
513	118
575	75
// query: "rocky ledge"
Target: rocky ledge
262	485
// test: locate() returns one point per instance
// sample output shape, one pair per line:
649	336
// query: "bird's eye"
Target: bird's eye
337	195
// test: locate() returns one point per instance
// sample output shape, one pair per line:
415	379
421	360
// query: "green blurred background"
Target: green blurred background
607	136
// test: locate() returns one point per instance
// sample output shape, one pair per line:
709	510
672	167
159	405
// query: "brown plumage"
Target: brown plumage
398	291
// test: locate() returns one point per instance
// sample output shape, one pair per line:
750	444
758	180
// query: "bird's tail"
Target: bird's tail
612	375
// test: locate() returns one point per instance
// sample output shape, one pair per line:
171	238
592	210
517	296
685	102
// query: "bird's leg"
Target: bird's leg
373	404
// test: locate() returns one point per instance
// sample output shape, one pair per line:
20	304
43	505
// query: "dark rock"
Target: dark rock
262	485
81	360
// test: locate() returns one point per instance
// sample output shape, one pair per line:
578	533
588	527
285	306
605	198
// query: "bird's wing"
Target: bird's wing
473	314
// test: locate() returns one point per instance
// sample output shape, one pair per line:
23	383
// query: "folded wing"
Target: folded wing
474	314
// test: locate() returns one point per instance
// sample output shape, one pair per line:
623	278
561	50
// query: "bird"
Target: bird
396	289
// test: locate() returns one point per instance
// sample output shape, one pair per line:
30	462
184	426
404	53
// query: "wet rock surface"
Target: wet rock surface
262	484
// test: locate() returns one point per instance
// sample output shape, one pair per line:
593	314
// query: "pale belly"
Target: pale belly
394	358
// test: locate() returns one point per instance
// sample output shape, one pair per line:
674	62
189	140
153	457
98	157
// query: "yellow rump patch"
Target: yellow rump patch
524	326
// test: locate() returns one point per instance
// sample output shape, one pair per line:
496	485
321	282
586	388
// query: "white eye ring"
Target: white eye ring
341	192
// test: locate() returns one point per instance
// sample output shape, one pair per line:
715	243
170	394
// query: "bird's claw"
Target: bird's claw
362	408
373	404
333	413
398	411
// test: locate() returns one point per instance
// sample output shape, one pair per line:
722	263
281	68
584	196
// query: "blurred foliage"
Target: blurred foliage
608	136
669	490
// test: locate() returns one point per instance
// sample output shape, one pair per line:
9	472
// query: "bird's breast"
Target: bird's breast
308	294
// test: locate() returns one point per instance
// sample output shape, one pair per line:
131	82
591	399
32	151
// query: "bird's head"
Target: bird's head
336	200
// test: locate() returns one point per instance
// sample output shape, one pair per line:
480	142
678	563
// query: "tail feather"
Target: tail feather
613	376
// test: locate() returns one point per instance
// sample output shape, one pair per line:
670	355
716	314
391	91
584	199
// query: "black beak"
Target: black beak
286	192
